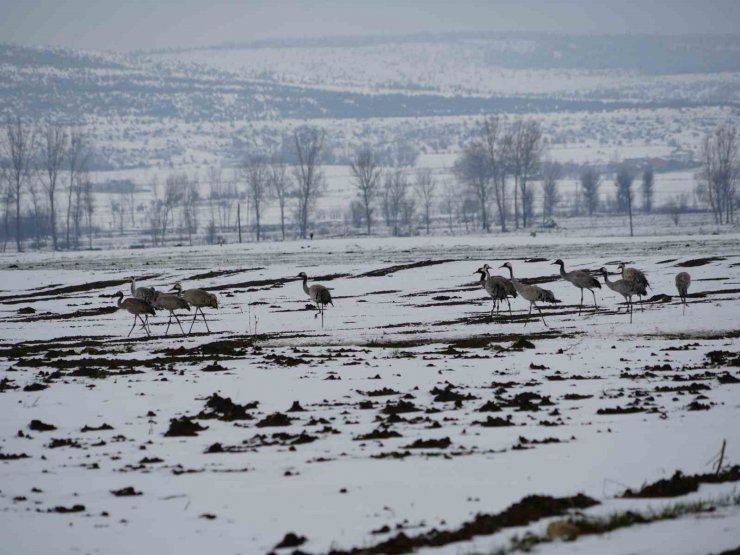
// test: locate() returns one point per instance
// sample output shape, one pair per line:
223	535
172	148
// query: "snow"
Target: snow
257	504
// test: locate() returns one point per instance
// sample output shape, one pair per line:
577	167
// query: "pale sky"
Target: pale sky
141	24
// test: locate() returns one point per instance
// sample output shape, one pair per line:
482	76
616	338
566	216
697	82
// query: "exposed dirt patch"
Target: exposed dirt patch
399	267
184	427
699	261
39	426
681	484
223	408
526	511
126	492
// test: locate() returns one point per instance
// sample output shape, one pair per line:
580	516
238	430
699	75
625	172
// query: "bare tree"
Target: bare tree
256	171
88	201
590	183
21	142
496	143
450	202
76	160
525	153
473	170
624	179
648	189
53	151
367	172
7	196
677	206
173	194
309	143
395	203
720	171
280	187
551	173
189	199
425	187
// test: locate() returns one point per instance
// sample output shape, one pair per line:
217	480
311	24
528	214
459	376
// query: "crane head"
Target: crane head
177	287
559	262
303	275
603	270
621	265
506	265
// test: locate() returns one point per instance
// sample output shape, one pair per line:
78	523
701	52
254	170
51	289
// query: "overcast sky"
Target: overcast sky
134	24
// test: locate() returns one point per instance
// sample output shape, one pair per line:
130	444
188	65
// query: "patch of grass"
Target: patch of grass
574	527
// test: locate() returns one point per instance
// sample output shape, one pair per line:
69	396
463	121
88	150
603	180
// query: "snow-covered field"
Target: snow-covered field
391	437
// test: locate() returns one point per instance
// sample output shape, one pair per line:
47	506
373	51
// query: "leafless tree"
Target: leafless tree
78	152
88	201
473	170
20	146
310	184
256	172
395	187
53	151
7	195
496	143
189	199
590	183
525	153
551	173
367	171
425	187
648	189
450	202
280	185
173	195
624	179
36	213
720	171
78	212
677	206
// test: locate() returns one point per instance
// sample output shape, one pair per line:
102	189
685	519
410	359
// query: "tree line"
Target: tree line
49	164
500	177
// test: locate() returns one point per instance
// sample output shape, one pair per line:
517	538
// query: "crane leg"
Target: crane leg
205	321
143	324
594	294
507	302
528	315
132	327
178	323
541	316
193	322
641	306
169	320
580	306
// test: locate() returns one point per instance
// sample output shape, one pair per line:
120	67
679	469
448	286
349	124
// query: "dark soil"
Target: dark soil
380	433
223	408
275	419
495	422
522	513
39	426
184	427
291	540
681	484
72	509
699	261
125	492
100	428
442	443
399	267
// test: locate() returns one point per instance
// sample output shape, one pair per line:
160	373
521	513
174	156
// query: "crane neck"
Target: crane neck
305	286
133	285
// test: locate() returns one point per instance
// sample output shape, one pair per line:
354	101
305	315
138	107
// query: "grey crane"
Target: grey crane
622	286
137	307
582	280
317	293
170	303
199	299
144	293
532	293
683	280
638	278
498	288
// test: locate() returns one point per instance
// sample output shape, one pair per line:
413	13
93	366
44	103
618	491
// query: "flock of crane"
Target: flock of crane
144	301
